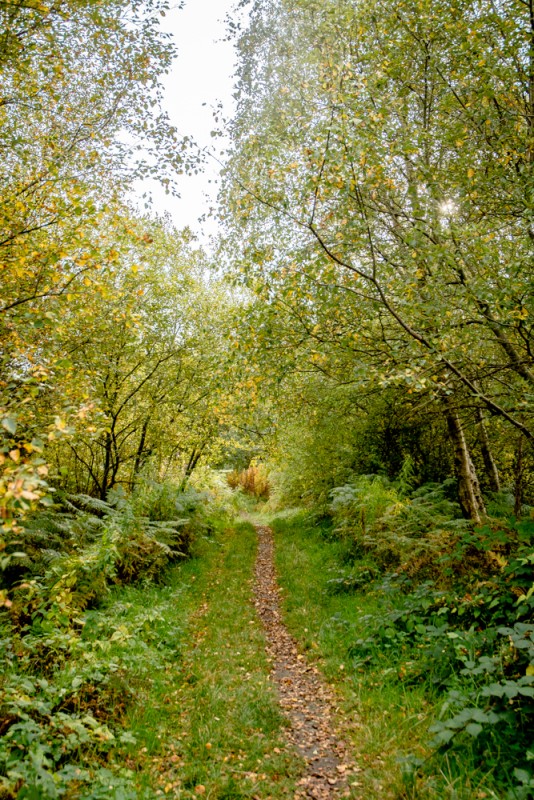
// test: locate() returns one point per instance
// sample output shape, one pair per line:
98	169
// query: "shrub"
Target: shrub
254	481
469	637
65	687
383	521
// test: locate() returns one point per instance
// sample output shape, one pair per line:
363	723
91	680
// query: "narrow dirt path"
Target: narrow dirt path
306	700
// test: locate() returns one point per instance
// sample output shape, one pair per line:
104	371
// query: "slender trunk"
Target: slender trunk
194	458
141	455
107	466
114	472
469	492
492	473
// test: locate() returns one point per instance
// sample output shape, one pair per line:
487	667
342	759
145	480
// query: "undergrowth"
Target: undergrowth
430	631
70	670
130	672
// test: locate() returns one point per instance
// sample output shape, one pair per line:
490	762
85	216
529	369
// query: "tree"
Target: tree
147	358
382	154
80	121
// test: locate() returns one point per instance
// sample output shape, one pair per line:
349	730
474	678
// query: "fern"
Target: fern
406	478
86	503
381	519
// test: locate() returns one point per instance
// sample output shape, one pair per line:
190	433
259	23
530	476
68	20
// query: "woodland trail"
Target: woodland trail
307	702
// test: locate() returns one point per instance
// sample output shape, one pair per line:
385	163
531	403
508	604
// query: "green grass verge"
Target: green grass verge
207	722
385	719
163	691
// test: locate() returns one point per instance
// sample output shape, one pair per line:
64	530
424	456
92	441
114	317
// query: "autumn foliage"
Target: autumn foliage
254	480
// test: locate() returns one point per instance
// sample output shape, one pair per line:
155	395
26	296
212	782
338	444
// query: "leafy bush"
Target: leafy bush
385	520
67	678
61	722
468	636
165	502
137	535
40	741
254	481
123	548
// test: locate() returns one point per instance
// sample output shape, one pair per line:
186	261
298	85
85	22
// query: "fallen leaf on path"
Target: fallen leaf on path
308	702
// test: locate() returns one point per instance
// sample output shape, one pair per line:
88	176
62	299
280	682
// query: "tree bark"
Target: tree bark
141	453
469	492
108	444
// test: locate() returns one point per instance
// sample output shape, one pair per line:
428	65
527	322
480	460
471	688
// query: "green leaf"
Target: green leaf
442	737
474	728
10	424
522	775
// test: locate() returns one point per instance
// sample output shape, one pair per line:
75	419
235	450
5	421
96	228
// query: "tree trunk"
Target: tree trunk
108	446
141	455
468	486
194	458
492	472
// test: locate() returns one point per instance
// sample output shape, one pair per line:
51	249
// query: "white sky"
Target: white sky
202	74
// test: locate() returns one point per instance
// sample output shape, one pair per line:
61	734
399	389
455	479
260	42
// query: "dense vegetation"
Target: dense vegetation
114	363
380	186
359	348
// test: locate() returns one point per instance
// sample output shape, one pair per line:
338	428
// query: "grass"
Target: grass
398	690
385	719
172	680
205	719
161	691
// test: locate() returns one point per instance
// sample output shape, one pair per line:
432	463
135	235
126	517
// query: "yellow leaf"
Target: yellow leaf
27	495
530	669
470	172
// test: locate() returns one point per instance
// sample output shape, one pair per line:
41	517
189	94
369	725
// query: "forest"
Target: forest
304	451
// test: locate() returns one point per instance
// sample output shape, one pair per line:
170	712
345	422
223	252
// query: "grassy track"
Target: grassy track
385	720
175	677
173	680
206	721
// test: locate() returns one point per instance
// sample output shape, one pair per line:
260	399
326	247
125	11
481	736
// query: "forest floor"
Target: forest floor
252	685
255	670
219	730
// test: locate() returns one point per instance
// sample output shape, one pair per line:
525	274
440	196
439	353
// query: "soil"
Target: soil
307	701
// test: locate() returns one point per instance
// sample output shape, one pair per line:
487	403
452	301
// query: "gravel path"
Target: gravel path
306	700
